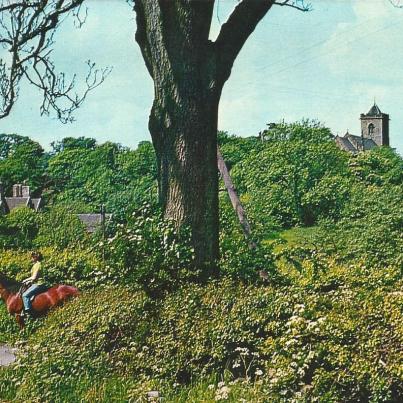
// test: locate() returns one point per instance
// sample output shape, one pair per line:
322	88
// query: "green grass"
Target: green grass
293	237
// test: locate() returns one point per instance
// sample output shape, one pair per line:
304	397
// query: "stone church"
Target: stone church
374	132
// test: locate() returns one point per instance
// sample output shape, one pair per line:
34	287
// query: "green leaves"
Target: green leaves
150	252
292	342
21	159
283	176
106	174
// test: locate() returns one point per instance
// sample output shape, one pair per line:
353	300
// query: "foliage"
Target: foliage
23	225
370	230
21	160
75	266
381	166
69	143
325	325
234	149
19	228
149	251
295	177
109	174
307	131
61	228
283	343
242	258
15	263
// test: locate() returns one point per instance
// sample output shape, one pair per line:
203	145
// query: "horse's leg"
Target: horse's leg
20	321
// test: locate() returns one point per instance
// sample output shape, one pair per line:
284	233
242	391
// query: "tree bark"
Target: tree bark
185	139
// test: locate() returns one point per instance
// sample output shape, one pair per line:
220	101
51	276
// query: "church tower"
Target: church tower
375	126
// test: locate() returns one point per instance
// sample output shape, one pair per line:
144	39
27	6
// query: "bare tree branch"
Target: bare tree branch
239	26
26	36
396	3
297	4
234	33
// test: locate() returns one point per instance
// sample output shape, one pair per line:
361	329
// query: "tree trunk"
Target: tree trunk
173	37
184	133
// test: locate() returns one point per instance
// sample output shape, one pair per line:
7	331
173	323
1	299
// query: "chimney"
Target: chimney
17	190
25	191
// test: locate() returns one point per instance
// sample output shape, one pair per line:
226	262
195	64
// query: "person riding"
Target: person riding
34	282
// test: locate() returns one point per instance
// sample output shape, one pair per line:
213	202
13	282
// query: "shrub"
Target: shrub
150	252
60	228
75	266
380	166
242	258
73	350
15	263
299	343
19	228
370	230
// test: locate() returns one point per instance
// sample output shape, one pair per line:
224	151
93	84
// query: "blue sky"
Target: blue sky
328	64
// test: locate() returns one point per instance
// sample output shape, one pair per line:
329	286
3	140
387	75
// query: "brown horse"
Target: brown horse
42	302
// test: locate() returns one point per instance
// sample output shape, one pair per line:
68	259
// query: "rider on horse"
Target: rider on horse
34	282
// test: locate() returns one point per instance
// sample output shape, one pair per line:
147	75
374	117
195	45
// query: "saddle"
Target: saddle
42	288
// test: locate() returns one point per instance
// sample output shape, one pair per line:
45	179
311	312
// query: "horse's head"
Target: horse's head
8	284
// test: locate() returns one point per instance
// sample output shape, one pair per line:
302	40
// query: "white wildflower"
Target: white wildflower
222	393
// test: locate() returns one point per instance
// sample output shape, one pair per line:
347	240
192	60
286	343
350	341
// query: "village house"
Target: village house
21	198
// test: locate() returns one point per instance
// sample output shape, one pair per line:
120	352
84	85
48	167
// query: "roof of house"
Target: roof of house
92	221
345	144
14	202
36	203
353	143
10	203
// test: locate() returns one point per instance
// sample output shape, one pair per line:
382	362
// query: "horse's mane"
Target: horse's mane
9	283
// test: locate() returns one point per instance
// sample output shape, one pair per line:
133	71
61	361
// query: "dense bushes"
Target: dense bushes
60	228
150	252
146	251
19	228
293	342
369	232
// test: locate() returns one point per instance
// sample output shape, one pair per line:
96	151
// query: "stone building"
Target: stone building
374	132
21	198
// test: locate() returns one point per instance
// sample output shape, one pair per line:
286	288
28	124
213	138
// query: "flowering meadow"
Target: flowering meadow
312	313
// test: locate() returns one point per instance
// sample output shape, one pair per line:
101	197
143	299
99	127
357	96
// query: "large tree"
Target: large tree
189	72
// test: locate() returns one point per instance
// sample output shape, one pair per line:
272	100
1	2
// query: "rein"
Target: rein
22	289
